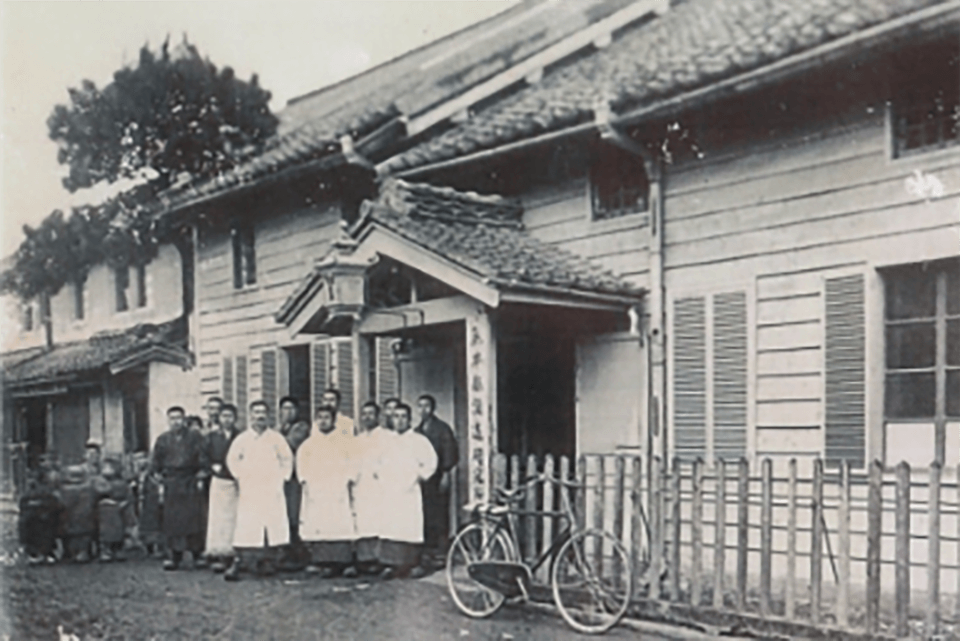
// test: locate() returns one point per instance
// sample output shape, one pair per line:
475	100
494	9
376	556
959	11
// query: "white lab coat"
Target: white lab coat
260	463
368	503
326	467
402	462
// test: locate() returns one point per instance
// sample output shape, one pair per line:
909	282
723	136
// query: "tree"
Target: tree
171	114
171	117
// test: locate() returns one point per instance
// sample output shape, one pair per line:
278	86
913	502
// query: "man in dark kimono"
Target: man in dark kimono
295	431
180	460
436	489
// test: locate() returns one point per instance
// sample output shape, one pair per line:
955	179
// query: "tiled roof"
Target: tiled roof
311	126
694	44
98	352
484	235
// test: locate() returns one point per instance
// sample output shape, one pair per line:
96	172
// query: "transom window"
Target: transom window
618	184
923	342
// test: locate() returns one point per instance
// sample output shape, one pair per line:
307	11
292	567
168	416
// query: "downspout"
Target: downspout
657	441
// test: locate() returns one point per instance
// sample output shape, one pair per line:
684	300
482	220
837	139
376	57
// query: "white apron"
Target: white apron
326	466
222	516
260	463
368	502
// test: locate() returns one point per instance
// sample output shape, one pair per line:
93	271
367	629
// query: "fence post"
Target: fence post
675	531
696	534
816	542
547	538
902	550
530	505
636	520
933	553
566	492
597	518
874	542
843	527
720	534
766	536
581	494
743	531
789	597
514	470
656	527
619	472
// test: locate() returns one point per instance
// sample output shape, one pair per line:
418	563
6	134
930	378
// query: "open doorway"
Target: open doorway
298	376
32	430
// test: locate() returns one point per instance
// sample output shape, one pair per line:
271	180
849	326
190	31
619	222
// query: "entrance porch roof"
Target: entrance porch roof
474	243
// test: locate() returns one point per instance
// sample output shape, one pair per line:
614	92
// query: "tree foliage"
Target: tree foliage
173	116
170	114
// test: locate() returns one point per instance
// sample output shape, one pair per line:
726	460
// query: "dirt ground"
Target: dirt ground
138	600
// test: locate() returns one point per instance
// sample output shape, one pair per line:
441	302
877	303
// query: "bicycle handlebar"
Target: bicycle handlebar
510	495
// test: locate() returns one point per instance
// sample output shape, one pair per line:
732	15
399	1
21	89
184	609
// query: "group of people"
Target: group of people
331	496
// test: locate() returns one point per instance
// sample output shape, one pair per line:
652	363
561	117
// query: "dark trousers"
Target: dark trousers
436	516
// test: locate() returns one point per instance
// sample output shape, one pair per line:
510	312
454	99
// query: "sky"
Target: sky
294	47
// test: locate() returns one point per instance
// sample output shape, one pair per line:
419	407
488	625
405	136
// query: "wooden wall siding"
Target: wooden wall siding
844	425
560	215
729	375
802	201
388	383
344	378
690	377
234	321
268	378
320	372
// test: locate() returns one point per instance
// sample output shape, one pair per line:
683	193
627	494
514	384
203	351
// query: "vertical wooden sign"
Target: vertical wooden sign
481	397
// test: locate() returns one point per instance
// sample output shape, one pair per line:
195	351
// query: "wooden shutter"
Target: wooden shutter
689	377
387	380
241	371
226	387
729	375
320	372
845	426
345	376
268	378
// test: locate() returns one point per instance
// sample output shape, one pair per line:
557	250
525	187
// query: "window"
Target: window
618	184
78	302
926	104
121	281
923	342
244	256
27	320
141	297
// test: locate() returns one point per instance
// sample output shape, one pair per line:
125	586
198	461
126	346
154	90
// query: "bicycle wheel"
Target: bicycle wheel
471	545
592	581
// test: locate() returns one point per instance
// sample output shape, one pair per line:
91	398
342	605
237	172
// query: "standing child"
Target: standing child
39	521
114	511
79	525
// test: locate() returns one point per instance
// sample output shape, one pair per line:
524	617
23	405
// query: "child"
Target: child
150	502
79	525
114	511
39	522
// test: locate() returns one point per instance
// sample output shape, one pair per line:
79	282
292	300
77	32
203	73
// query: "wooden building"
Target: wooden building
99	361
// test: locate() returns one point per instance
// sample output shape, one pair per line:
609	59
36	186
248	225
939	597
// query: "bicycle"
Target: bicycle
590	572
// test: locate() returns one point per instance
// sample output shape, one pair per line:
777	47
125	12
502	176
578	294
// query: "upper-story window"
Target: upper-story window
78	298
26	320
923	342
129	292
618	184
244	255
925	107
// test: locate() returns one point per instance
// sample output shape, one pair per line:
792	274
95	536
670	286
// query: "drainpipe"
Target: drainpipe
657	387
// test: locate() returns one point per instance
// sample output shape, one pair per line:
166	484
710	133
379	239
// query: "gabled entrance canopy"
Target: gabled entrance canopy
473	244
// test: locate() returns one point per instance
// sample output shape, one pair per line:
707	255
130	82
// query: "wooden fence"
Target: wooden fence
870	551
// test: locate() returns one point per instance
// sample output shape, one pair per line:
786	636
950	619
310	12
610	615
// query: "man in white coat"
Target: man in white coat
327	468
372	445
261	461
408	460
